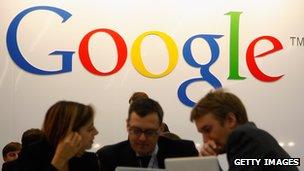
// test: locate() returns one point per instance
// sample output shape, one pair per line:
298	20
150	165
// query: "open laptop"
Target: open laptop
209	163
136	169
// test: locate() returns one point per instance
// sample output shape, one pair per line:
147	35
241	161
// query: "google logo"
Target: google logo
121	47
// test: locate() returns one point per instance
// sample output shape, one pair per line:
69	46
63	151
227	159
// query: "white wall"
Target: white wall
25	97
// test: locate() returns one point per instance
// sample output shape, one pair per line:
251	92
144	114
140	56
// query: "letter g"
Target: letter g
13	49
206	75
236	162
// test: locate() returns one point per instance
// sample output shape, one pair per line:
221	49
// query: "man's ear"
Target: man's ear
231	120
161	128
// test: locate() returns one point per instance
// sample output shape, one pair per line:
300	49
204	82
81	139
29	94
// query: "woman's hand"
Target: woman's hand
66	149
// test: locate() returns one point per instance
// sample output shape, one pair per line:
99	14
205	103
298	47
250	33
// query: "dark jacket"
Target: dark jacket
9	166
121	154
249	142
38	157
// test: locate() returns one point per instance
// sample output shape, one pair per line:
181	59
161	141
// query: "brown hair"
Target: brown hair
12	146
146	106
32	136
64	117
220	103
137	96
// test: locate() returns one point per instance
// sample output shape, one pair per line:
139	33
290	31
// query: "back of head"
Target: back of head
144	107
32	136
10	147
220	104
64	117
138	95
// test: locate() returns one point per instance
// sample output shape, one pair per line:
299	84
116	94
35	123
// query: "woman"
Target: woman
69	131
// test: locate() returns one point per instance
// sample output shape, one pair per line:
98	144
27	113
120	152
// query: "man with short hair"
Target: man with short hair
138	95
32	136
144	147
164	131
222	120
29	137
10	151
10	155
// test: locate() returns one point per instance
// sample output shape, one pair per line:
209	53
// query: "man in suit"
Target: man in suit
10	151
29	137
10	154
144	147
222	120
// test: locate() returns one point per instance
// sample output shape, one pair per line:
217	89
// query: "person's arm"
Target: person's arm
185	148
65	150
192	149
243	146
105	160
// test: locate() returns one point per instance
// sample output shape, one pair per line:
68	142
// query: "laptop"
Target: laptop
136	169
209	163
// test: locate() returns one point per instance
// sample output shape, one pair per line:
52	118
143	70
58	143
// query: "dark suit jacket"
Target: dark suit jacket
121	154
10	166
38	156
249	142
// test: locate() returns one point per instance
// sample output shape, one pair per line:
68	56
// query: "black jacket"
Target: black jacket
38	157
249	142
121	154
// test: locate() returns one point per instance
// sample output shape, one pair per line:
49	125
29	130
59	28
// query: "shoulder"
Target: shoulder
9	166
119	154
250	132
40	151
113	148
169	142
89	156
35	157
248	140
37	149
178	147
87	161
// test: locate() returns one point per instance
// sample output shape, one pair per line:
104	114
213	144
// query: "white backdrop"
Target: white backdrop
25	97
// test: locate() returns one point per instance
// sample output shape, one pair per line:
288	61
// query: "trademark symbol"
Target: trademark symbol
297	41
